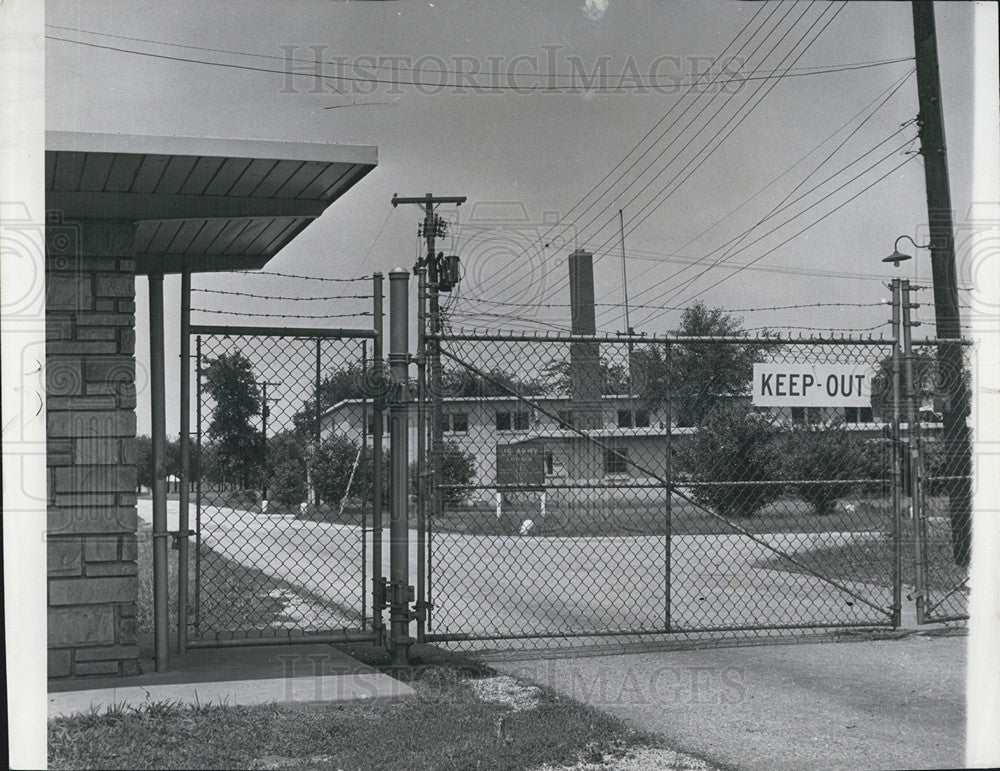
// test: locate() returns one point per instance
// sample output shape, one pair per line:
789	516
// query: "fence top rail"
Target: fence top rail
671	339
308	332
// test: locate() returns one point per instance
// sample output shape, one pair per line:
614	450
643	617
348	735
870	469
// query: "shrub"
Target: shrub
332	467
738	448
823	460
458	468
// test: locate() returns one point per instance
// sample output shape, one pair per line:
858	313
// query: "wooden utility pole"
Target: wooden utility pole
946	311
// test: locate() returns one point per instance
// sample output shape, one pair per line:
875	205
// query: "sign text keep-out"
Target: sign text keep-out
812	385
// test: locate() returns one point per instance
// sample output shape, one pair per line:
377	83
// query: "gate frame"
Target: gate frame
184	532
433	341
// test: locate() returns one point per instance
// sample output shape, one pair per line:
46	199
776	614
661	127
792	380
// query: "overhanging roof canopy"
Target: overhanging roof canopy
219	204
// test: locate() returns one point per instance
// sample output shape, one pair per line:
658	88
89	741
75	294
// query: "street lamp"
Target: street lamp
897	256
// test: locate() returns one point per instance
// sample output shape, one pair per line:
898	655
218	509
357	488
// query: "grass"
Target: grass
870	561
234	596
445	727
618	518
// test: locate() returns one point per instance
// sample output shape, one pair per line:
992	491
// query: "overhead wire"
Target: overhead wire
656	201
881	100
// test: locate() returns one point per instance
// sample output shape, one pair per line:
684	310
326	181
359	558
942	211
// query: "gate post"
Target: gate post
912	394
897	466
399	420
183	520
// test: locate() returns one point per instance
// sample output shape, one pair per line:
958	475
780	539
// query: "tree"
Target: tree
700	375
287	469
824	459
557	377
347	383
333	465
497	382
232	385
738	448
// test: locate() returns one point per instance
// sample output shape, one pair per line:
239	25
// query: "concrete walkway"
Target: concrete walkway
888	704
287	674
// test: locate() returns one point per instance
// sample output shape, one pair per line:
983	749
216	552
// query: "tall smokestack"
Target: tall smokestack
584	358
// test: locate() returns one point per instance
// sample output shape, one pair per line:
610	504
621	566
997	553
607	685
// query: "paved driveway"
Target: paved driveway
497	585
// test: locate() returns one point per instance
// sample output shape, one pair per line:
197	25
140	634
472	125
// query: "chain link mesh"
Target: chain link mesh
282	493
945	482
556	521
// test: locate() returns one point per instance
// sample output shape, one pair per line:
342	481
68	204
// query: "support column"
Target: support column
399	420
159	441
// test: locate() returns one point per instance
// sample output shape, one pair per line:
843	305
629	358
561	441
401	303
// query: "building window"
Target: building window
460	422
565	418
615	461
633	418
858	415
511	421
549	462
807	415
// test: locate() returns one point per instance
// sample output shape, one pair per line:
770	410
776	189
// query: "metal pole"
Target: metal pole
318	434
957	442
897	467
197	495
159	431
668	504
913	436
185	482
399	539
263	460
377	436
421	448
364	506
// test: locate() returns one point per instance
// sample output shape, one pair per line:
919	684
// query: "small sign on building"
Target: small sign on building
812	385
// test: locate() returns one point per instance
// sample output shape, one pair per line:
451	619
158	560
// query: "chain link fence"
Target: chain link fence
607	487
942	545
283	467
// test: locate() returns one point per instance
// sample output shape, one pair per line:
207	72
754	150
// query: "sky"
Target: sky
546	171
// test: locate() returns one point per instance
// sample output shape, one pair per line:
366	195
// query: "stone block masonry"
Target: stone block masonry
91	427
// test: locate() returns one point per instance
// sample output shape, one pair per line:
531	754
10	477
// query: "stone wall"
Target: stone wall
91	426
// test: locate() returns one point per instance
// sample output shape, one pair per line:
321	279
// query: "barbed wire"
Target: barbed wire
284	315
674	307
285	297
306	278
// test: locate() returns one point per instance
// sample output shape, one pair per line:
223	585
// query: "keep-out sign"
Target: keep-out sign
812	385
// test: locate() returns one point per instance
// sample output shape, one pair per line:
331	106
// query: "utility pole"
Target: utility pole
263	428
431	227
628	324
957	445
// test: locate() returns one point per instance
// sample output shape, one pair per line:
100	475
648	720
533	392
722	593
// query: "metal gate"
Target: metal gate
286	495
586	487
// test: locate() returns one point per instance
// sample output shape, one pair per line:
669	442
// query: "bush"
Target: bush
740	449
457	468
825	459
332	467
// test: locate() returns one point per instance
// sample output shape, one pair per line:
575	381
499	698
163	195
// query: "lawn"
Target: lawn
622	518
234	596
870	560
462	717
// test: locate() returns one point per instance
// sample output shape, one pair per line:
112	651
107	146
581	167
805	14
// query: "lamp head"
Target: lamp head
897	257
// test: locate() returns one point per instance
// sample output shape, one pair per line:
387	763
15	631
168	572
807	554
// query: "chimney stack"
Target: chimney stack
584	358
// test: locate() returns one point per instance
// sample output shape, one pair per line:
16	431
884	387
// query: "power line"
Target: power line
464	86
731	128
884	97
654	127
739	237
810	225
